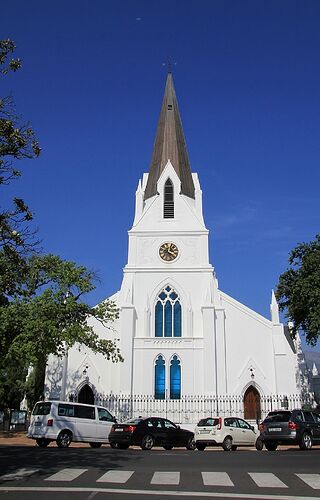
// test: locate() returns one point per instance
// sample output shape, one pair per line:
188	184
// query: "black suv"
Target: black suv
290	427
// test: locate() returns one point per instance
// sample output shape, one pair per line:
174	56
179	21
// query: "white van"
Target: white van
65	422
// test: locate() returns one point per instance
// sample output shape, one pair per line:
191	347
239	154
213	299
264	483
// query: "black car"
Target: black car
149	432
299	427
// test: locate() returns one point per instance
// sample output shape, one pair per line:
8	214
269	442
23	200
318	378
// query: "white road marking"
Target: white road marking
267	480
18	474
216	479
66	475
124	491
166	478
116	476
312	480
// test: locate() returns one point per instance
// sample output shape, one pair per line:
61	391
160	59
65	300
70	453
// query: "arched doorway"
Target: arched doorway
86	395
251	404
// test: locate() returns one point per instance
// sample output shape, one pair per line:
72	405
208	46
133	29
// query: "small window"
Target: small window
169	425
104	415
231	422
316	418
208	422
65	410
41	409
308	417
84	412
243	424
169	106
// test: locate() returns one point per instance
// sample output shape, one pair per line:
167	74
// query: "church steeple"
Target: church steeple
170	145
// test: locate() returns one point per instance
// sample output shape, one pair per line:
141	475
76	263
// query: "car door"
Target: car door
247	434
156	429
316	428
231	428
172	434
104	423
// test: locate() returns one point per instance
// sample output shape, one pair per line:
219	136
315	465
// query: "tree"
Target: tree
17	142
47	314
298	290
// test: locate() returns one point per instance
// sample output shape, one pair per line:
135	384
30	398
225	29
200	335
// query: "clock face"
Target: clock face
168	251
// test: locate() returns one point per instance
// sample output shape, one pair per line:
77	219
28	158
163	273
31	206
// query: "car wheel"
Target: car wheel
271	446
114	445
147	442
64	439
42	442
123	446
191	444
227	443
95	445
200	446
168	447
259	444
234	447
306	441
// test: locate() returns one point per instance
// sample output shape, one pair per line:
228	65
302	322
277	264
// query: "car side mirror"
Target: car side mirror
114	420
178	426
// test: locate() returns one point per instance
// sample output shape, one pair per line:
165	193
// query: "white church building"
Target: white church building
188	347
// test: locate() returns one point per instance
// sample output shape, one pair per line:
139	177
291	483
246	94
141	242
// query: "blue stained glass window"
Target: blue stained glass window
177	319
160	378
168	314
168	319
175	378
159	319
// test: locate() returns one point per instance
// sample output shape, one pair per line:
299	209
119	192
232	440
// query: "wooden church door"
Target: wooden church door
251	404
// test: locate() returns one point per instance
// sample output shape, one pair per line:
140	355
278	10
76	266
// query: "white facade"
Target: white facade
225	348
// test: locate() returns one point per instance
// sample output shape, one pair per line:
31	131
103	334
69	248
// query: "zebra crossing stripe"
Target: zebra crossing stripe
267	480
116	476
216	479
18	474
66	475
312	480
166	478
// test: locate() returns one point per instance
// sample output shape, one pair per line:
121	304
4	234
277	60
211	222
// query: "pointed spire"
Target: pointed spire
274	309
170	145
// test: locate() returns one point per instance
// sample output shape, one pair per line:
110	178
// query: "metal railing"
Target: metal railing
190	409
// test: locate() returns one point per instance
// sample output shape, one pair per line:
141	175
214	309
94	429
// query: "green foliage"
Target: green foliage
17	142
298	290
47	313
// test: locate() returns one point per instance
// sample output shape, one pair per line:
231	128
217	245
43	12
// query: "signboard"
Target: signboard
18	417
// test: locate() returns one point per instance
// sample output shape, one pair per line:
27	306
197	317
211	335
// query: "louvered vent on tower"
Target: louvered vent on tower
168	205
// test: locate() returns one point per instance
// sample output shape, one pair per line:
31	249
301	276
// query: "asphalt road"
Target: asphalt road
85	473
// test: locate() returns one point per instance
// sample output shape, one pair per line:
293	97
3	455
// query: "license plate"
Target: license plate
118	430
203	432
275	429
37	423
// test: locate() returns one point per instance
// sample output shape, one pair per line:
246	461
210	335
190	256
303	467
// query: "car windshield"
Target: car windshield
279	416
41	409
209	422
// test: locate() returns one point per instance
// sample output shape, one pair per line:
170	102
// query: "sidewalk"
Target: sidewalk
15	438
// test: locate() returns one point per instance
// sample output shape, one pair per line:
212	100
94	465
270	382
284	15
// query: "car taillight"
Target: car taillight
130	428
50	422
113	428
261	427
292	425
219	424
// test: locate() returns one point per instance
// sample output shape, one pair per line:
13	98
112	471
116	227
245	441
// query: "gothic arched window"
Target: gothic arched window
175	378
168	204
159	378
168	314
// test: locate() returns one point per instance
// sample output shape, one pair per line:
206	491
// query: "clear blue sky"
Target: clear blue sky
247	79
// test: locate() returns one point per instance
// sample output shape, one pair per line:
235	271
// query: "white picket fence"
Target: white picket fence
190	409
